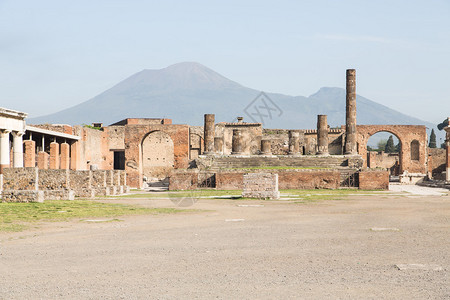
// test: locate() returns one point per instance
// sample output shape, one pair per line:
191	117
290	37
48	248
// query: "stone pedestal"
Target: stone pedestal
42	160
54	155
65	158
294	142
237	143
266	147
350	120
218	145
30	154
322	135
209	132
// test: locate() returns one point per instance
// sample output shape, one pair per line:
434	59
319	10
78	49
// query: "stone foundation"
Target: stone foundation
22	196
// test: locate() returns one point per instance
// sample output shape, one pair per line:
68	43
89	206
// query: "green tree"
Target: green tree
381	144
432	143
389	148
397	148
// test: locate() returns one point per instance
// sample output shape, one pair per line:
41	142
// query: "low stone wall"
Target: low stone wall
183	181
59	184
261	185
20	179
22	196
373	180
309	179
229	180
53	179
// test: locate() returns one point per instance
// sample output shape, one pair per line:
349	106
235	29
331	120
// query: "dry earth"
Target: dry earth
282	250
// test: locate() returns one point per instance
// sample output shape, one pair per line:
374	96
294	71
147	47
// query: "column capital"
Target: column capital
5	131
17	133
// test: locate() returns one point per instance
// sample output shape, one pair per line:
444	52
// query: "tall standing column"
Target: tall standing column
4	150
17	149
350	121
209	133
218	145
322	135
294	142
447	153
236	143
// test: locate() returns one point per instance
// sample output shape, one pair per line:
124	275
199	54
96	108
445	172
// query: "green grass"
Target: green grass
19	216
278	168
181	194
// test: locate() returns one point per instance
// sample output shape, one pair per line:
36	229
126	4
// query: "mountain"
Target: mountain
184	92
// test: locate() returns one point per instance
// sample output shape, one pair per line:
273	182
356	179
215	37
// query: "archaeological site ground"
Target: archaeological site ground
148	208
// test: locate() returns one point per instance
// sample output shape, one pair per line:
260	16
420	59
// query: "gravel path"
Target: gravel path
277	250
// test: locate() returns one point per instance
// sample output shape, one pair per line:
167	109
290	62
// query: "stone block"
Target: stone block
261	185
373	180
20	178
59	194
53	179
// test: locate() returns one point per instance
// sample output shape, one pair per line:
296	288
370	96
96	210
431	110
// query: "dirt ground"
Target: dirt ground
333	249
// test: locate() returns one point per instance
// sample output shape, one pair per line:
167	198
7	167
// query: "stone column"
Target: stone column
17	149
4	150
447	154
218	145
294	142
54	155
350	120
322	135
65	158
42	160
266	147
209	132
236	146
30	154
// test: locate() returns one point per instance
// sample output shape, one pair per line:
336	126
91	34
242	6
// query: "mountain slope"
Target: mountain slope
186	91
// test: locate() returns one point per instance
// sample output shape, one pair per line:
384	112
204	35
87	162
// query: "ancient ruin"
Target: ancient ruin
216	155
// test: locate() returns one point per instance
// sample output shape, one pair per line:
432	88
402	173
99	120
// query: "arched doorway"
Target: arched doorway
384	151
406	135
157	156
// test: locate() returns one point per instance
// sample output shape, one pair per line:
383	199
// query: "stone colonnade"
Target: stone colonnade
12	122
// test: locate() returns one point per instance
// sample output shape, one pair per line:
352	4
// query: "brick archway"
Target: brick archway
406	134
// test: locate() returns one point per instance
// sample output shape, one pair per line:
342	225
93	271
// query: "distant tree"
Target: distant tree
381	145
432	143
397	148
389	148
443	145
369	148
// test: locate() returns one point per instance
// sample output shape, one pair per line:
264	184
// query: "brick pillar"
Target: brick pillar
65	159
74	155
4	150
294	142
266	147
322	135
237	142
209	133
42	160
350	119
54	155
30	154
218	145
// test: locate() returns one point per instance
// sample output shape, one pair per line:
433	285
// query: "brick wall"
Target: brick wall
183	181
373	180
229	180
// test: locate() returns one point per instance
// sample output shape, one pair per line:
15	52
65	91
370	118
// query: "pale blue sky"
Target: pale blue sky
55	54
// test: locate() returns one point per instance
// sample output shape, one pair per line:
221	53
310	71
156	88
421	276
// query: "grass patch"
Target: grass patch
278	168
19	216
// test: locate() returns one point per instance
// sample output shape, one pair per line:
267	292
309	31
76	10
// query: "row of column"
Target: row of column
5	159
215	144
59	157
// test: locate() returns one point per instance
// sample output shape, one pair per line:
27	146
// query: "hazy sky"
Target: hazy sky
55	54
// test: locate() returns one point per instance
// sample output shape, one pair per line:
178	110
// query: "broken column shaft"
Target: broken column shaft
266	147
322	135
237	142
209	132
294	142
218	145
350	121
